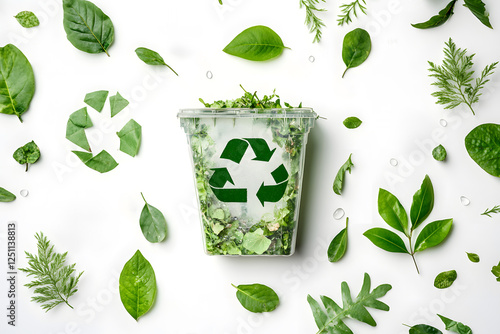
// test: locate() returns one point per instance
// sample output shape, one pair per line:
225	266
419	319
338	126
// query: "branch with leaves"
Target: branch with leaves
350	9
493	210
314	23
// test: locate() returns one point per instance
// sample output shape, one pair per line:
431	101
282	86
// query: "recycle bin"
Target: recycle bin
248	166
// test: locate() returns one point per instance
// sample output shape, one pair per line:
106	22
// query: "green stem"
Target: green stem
344	72
413	252
144	198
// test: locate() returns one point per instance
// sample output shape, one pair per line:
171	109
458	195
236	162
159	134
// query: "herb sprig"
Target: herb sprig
314	23
493	210
350	9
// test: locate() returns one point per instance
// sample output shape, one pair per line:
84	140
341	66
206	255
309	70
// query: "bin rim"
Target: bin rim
247	112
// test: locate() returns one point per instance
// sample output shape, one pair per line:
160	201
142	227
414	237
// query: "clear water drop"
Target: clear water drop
338	214
25	192
464	200
210	75
443	122
312	59
393	162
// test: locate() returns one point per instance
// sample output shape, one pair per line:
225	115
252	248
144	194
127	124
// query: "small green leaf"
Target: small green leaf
153	223
6	196
96	99
27	19
102	162
338	246
137	286
257	298
352	122
439	153
338	183
391	210
445	279
356	48
151	57
473	257
256	242
424	329
75	128
423	203
27	154
387	240
130	138
496	271
478	8
438	19
256	43
455	326
433	234
117	103
218	214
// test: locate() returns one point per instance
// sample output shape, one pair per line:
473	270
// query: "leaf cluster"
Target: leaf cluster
350	9
54	282
313	22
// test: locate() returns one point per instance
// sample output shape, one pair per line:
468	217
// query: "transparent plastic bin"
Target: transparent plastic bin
248	166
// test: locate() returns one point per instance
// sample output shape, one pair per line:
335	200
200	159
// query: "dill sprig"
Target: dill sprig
350	9
488	212
454	78
54	282
314	23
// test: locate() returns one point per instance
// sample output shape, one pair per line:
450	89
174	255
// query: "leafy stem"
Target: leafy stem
314	23
493	210
412	253
350	9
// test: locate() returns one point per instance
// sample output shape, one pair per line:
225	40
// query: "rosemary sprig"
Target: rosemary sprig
54	282
488	212
350	9
314	23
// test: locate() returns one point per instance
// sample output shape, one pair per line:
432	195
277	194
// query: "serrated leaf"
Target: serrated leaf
153	223
338	183
391	210
445	279
438	19
433	234
102	162
473	257
117	104
387	240
338	246
96	99
423	203
6	196
151	57
27	19
137	286
256	242
454	326
130	138
257	298
478	8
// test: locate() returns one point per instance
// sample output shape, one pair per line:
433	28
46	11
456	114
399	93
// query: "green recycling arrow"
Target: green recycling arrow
220	177
236	148
274	193
218	180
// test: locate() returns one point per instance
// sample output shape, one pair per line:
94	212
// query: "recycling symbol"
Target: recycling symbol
234	151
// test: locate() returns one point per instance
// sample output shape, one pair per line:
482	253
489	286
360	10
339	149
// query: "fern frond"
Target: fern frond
350	9
312	21
488	212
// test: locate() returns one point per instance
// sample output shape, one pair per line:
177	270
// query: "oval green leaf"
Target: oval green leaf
130	138
256	43
483	146
151	57
352	122
356	48
17	81
424	329
27	19
338	246
391	210
137	286
478	8
433	234
153	223
473	257
6	196
257	298
423	203
87	27
438	19
439	153
27	154
387	240
445	279
338	183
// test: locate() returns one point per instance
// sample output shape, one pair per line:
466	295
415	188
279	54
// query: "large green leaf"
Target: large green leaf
356	48
6	196
387	240
87	27
483	146
137	285
423	203
338	246
478	8
153	223
438	19
424	329
433	234
17	81
391	210
257	298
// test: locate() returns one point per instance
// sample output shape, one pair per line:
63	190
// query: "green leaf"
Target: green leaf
87	27
454	326
352	122
438	19
153	223
257	298
6	196
445	279
473	257
478	8
391	210
338	183
496	271
387	240
439	153
423	203
17	81
151	57
331	320
483	146
356	48
338	246
424	329
137	286
256	242
433	234
27	154
102	162
117	103
75	128
130	138
96	99
256	43
27	19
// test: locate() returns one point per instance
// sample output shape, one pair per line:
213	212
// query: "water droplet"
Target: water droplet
338	214
443	122
25	192
312	59
464	200
210	75
393	162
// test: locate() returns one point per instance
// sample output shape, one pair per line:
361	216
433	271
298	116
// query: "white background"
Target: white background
96	217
